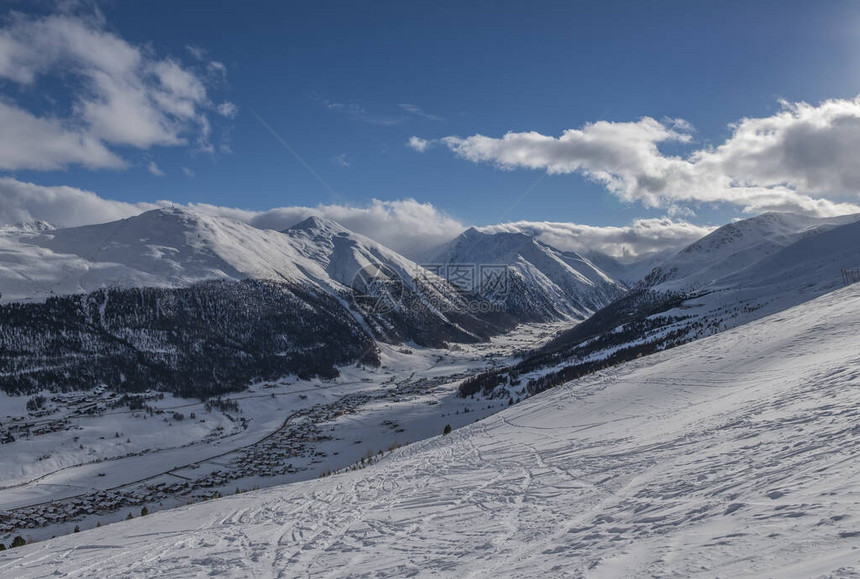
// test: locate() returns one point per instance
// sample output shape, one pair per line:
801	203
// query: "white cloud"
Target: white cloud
801	159
359	113
121	95
46	143
418	144
641	237
217	68
154	169
228	109
188	172
61	206
412	228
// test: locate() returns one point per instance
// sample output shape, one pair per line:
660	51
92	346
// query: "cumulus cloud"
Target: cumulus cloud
414	229
62	206
188	172
418	144
122	95
803	158
47	143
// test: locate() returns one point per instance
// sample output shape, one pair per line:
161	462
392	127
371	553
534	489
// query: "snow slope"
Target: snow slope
738	246
736	455
417	304
779	261
543	281
342	253
170	247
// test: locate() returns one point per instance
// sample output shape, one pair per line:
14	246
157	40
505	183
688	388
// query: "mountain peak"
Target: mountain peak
509	237
318	224
34	226
174	212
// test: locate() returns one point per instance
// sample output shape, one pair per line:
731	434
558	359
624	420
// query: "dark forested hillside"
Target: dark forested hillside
196	341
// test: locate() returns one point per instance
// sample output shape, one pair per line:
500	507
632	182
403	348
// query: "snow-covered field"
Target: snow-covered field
736	455
365	410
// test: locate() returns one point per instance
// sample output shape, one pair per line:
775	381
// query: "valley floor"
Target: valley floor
67	469
736	455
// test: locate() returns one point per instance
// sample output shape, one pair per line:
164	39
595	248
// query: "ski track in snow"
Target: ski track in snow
736	455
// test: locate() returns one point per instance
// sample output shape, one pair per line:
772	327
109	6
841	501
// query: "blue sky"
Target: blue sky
346	84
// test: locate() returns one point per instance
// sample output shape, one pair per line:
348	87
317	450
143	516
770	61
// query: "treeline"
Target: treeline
576	371
623	331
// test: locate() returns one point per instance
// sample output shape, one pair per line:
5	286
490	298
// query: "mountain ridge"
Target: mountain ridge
543	282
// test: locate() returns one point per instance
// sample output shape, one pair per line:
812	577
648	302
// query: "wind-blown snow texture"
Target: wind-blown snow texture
734	455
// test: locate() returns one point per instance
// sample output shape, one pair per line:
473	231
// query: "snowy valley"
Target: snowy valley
241	359
736	455
455	290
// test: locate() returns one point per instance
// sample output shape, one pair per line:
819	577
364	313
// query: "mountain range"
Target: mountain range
543	283
84	305
174	301
71	295
739	273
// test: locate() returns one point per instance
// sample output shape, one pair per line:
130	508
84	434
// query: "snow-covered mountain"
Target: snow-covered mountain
342	253
417	303
178	300
176	247
541	282
170	247
737	274
731	456
738	246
